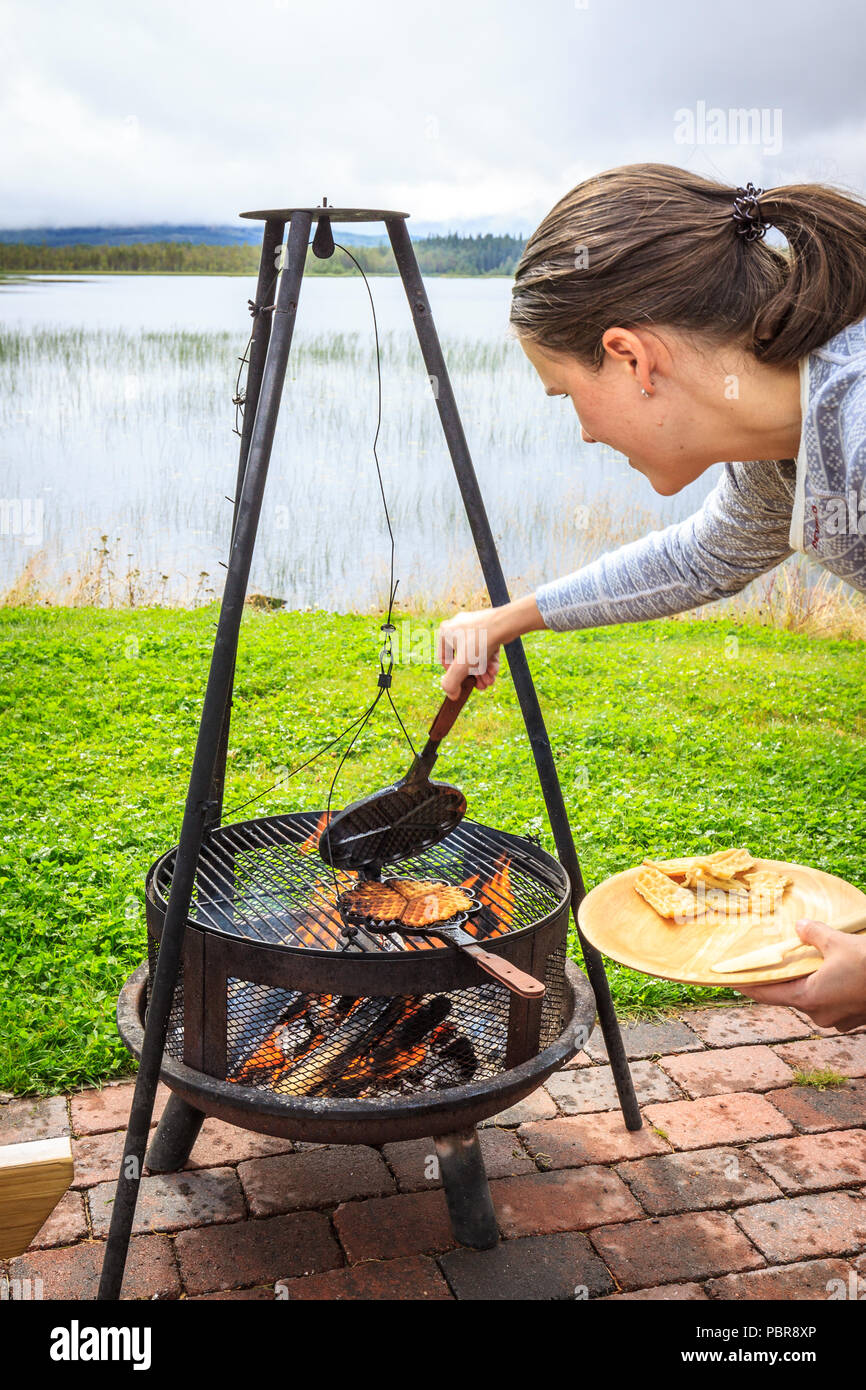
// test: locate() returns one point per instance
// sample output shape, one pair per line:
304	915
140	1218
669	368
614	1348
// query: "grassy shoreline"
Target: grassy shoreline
669	737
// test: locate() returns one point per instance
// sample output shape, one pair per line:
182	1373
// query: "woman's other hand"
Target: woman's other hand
469	643
835	995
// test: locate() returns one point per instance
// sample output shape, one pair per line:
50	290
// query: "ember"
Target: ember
324	1045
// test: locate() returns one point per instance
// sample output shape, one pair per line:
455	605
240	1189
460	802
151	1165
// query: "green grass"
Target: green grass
822	1079
667	740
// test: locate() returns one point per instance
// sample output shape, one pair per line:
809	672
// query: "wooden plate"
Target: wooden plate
621	925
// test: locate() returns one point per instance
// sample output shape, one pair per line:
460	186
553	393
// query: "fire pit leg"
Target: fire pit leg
175	1135
467	1191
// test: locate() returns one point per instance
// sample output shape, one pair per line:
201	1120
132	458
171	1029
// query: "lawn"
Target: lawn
670	738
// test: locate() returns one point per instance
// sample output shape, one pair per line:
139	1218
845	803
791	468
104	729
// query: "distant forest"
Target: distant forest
437	255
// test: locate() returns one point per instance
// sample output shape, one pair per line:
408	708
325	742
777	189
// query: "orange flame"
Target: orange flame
496	895
312	841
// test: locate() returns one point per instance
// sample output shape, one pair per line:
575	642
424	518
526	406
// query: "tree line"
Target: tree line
437	255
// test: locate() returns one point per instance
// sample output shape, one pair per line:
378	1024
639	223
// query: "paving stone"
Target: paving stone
829	1223
537	1106
219	1143
537	1268
414	1278
383	1228
750	1023
643	1038
694	1181
570	1199
845	1053
504	1155
73	1271
22	1121
67	1223
674	1249
713	1120
97	1112
263	1294
814	1279
322	1178
724	1070
582	1059
172	1201
663	1293
836	1107
256	1252
579	1139
97	1157
581	1091
825	1032
812	1161
416	1166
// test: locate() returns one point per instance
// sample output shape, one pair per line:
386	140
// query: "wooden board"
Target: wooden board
618	921
33	1178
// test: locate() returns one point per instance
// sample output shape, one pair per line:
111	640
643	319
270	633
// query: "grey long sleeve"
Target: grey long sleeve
741	531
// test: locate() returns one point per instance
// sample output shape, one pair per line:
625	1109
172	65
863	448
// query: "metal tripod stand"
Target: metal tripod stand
274	319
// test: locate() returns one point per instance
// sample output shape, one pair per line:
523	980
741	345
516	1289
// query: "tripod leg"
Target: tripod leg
204	761
265	291
524	685
467	1190
175	1135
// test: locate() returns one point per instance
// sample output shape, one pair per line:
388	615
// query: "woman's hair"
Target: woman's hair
653	244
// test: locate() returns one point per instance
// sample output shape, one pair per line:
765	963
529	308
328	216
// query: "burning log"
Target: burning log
303	1027
396	1053
367	1022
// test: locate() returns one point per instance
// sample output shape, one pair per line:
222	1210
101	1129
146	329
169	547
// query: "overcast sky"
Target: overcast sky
478	114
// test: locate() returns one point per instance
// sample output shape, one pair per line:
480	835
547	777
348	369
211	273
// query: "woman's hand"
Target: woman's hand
470	642
835	995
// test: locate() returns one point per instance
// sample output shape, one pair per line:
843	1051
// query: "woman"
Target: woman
649	297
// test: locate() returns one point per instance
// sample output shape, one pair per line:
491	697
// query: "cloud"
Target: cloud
482	113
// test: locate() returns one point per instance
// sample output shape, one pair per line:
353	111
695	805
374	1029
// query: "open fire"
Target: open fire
283	993
330	1045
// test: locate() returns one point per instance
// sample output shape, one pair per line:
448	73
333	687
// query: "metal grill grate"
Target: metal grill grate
264	881
555	1011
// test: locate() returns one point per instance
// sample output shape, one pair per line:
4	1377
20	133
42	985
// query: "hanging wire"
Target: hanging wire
392	586
386	652
281	781
239	399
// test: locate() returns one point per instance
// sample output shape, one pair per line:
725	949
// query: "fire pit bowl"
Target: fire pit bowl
337	1121
291	1021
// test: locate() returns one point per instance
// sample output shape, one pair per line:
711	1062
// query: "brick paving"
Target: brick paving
744	1184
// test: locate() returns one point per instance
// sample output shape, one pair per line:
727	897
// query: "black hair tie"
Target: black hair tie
748	221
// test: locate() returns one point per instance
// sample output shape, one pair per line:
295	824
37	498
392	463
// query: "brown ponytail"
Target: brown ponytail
653	244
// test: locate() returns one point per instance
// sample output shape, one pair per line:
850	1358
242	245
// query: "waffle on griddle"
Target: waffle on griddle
373	899
415	902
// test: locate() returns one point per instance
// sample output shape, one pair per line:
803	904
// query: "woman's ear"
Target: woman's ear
627	350
641	353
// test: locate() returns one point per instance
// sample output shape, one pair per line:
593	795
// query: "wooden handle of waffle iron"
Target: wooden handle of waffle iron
449	710
507	974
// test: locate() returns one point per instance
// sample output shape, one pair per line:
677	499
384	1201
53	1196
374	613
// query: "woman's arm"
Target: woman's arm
741	531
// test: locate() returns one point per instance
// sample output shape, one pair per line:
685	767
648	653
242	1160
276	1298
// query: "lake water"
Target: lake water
117	421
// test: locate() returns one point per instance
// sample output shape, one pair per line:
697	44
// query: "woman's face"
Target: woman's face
661	433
